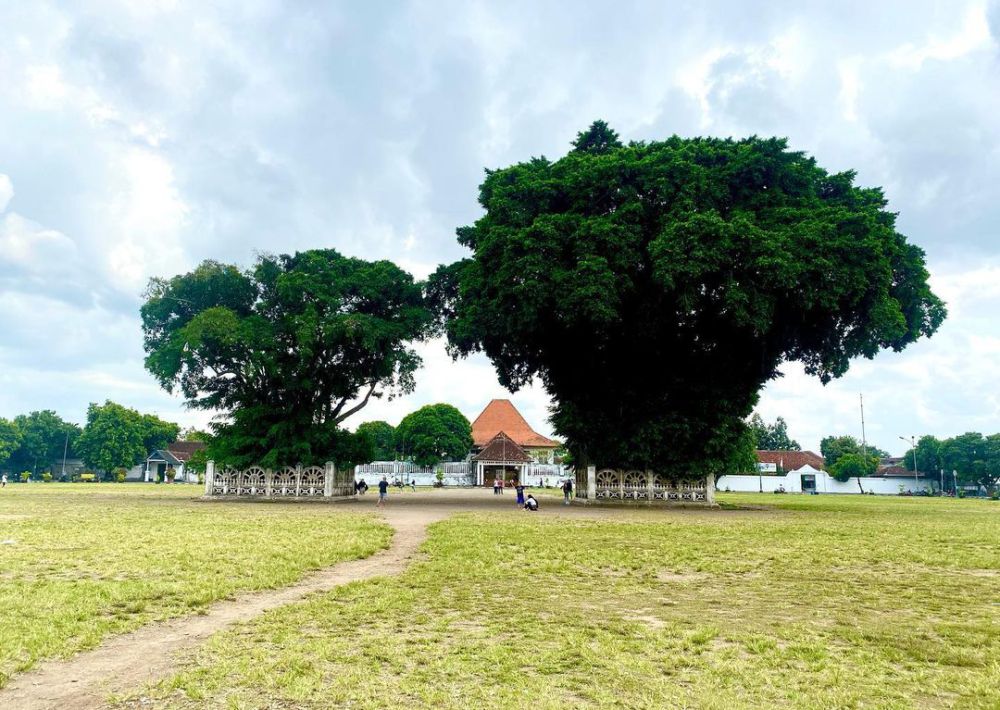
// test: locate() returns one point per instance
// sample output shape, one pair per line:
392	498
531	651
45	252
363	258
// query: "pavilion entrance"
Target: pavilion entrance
502	458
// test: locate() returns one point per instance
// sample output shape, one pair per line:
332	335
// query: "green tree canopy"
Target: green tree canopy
975	458
772	437
929	460
112	437
382	437
655	287
433	433
834	447
853	464
44	437
288	350
10	439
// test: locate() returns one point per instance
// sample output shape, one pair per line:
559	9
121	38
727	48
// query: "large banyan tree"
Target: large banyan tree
655	287
286	351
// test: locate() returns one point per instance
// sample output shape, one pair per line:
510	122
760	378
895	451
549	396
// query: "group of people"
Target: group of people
527	502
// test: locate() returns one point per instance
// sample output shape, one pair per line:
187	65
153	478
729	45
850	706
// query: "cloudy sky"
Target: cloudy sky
137	139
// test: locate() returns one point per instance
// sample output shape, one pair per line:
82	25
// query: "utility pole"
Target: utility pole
864	443
65	449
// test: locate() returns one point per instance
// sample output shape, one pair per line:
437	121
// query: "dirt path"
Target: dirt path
126	662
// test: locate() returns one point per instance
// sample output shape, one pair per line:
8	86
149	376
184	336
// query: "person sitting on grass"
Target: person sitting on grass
531	504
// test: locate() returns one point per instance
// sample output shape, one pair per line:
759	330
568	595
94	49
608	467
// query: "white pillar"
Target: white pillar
209	477
710	488
328	478
591	483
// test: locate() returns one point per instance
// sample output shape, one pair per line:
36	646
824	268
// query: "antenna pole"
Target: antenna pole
864	443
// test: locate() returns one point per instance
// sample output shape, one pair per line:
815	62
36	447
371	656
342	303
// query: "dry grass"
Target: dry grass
816	602
81	561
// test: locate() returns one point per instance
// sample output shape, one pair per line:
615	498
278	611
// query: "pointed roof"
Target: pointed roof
501	415
502	449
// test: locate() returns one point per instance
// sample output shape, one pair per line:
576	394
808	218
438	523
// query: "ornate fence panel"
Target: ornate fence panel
638	486
288	482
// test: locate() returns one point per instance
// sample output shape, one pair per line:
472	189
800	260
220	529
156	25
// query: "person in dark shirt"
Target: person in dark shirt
519	489
383	492
567	490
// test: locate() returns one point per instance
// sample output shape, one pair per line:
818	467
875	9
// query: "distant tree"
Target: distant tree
288	350
433	433
157	433
772	437
193	434
10	439
382	436
976	458
113	437
653	288
44	437
853	464
833	448
929	461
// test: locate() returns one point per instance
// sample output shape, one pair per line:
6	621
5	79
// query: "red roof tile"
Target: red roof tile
501	416
791	460
182	450
502	449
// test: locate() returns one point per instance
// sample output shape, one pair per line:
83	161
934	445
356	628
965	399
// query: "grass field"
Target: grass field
81	561
817	602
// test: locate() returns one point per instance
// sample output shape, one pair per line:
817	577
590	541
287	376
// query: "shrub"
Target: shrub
46	476
120	474
88	477
25	476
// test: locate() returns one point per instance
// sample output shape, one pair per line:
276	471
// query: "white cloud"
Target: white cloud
6	191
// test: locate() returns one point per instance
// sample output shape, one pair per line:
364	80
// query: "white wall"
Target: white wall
792	483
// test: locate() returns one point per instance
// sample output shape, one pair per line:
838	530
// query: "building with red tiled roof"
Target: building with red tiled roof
790	460
501	415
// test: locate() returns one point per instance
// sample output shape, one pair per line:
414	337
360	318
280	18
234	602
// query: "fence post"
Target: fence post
591	483
710	488
268	482
328	477
649	486
209	477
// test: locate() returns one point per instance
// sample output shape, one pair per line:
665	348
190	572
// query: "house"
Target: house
802	472
769	461
501	416
501	458
174	457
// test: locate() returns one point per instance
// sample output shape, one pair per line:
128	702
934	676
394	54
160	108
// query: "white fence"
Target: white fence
792	482
289	482
456	473
641	486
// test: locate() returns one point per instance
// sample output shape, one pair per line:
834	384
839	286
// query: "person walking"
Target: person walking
519	489
3	481
496	486
503	482
383	493
413	485
567	490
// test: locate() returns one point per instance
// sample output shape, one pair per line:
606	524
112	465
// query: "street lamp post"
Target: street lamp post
912	441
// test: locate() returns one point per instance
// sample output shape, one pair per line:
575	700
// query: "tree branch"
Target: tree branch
339	418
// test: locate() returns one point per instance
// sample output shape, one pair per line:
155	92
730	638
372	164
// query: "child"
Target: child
531	504
519	489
